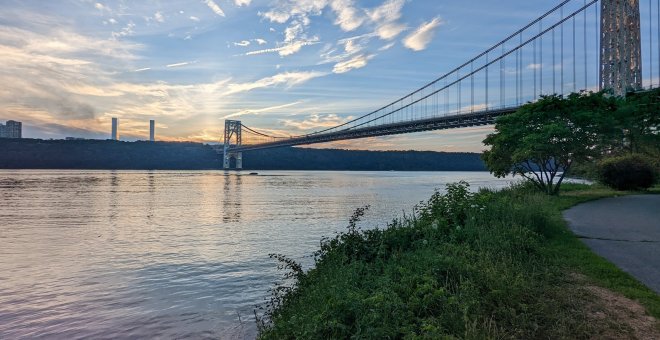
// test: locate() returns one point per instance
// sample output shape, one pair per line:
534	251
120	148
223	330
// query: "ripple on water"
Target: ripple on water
145	254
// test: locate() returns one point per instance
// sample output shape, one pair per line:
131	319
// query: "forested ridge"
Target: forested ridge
108	154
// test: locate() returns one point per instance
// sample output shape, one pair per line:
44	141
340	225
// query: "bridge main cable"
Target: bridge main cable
469	62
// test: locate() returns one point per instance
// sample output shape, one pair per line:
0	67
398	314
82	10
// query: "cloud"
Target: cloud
385	18
158	16
287	78
534	66
180	64
260	41
262	110
285	50
387	47
315	121
390	31
348	17
194	18
143	69
242	2
214	7
422	36
352	64
242	43
389	11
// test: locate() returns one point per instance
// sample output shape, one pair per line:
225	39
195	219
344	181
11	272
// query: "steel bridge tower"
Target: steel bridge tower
620	47
232	131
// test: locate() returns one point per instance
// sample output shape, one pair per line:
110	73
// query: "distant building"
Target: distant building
12	129
75	138
115	133
152	130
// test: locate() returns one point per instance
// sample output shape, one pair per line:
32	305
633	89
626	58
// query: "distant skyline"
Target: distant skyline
278	65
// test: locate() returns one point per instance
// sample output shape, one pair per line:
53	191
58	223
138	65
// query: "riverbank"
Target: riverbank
493	264
142	155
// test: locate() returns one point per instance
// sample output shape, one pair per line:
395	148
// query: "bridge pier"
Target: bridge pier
228	155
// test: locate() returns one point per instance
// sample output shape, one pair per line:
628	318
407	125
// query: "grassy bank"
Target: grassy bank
486	265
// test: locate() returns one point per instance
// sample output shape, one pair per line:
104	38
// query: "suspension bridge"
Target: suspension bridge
579	45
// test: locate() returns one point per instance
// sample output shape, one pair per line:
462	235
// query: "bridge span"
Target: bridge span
579	45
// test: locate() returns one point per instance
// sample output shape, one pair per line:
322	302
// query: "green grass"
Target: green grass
486	265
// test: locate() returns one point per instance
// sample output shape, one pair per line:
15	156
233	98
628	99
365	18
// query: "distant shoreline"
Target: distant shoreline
35	154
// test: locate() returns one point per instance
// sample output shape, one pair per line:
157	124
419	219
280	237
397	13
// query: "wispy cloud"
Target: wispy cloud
422	36
285	50
259	111
315	121
180	64
242	2
351	64
214	7
348	18
386	18
158	16
288	78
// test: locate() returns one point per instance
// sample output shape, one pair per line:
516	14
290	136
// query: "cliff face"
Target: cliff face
108	154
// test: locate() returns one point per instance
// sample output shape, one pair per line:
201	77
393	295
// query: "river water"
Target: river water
171	254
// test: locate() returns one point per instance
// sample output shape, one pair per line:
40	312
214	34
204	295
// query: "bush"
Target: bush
629	172
464	265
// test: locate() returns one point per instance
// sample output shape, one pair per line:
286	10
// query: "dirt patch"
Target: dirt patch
616	316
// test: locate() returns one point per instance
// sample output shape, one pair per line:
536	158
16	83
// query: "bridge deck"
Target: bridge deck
437	123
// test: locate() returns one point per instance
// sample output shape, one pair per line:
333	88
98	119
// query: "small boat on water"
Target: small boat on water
254	173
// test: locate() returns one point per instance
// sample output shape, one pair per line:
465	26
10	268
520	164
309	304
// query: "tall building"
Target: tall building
12	129
115	133
152	130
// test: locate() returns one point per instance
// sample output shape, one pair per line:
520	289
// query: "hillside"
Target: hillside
108	154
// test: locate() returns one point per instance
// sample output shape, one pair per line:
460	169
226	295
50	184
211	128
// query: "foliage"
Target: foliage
543	139
628	172
464	265
638	120
104	154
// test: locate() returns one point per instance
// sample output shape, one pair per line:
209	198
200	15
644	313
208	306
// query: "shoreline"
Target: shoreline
510	268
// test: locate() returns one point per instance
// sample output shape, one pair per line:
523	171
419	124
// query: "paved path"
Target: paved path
625	230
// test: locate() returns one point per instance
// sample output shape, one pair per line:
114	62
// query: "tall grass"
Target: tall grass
468	265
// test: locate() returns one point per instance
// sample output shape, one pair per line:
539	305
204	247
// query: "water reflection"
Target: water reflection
144	254
232	198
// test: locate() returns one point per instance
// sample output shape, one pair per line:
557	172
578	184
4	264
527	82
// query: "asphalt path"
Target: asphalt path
624	230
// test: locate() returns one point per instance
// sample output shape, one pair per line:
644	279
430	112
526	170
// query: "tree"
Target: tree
543	139
639	122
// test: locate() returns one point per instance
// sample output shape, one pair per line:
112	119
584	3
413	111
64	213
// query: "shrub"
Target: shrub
629	172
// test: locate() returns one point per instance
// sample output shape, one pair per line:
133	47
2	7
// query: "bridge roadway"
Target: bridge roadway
438	123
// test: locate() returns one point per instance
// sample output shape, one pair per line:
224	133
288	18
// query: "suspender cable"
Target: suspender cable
487	81
586	75
561	53
574	63
472	87
502	81
541	58
554	63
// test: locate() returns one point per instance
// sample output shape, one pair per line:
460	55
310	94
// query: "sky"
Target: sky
281	66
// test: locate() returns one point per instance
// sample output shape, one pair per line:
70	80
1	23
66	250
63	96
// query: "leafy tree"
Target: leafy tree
543	139
639	122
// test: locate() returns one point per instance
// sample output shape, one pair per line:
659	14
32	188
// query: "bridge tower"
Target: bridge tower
620	47
232	132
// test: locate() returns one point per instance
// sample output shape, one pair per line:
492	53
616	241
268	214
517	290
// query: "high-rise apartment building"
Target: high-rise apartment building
152	130
115	133
12	129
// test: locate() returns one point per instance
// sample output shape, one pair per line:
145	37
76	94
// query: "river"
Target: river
173	254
